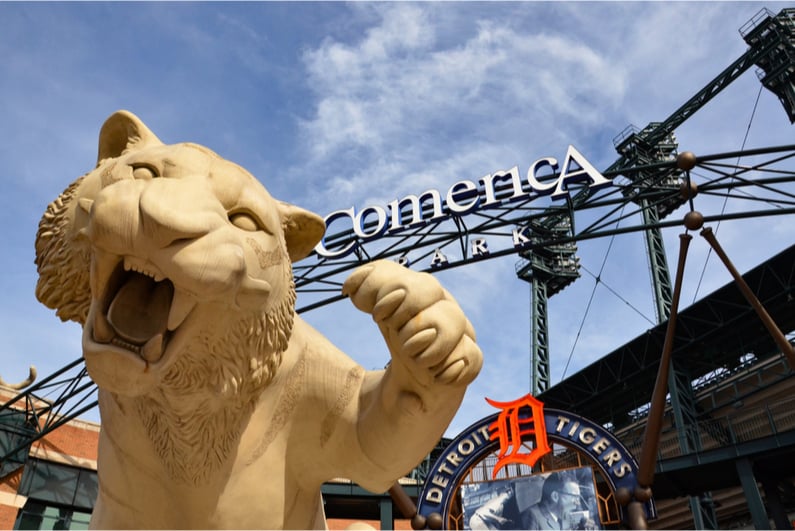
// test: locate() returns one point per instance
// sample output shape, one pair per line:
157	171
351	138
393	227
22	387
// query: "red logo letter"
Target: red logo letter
510	429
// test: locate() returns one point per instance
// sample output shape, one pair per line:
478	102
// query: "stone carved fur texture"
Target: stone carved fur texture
220	407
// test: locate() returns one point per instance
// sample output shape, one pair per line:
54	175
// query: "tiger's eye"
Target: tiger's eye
244	221
143	173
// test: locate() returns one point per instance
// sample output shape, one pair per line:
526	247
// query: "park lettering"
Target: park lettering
462	198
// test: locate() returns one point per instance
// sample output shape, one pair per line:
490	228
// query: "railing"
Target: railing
747	424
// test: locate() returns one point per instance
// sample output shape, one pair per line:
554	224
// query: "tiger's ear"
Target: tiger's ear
302	230
123	132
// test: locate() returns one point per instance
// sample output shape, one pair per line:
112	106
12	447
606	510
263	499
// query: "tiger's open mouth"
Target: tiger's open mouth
139	309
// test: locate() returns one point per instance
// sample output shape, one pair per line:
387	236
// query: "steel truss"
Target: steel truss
42	408
765	179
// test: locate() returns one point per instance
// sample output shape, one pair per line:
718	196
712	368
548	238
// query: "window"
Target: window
59	484
13	432
59	496
38	515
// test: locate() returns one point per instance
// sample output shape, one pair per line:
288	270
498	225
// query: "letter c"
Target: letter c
320	248
536	185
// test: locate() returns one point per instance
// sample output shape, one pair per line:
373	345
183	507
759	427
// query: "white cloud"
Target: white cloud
391	90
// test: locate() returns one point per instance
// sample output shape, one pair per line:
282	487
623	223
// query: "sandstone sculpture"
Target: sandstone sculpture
220	407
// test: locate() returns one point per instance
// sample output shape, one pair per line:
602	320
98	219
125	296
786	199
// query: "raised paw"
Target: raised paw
425	329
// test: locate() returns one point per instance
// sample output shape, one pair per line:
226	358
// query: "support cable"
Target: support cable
622	299
598	279
726	198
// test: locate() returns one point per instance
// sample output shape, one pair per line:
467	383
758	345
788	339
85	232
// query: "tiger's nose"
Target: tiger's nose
176	210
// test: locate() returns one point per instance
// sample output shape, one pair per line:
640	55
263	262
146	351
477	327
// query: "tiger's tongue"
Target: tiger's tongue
139	310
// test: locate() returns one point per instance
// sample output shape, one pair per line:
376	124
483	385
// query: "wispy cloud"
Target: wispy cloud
398	98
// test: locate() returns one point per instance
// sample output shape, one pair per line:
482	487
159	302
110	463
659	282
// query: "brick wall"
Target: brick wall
8	516
73	444
10	503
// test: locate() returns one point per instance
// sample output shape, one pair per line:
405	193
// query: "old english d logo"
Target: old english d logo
520	419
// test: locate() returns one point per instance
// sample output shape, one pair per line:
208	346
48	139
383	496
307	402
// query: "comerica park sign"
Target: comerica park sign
465	197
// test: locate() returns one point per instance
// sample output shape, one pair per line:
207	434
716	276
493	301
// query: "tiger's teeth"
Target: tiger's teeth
86	204
103	332
181	306
151	271
152	351
103	267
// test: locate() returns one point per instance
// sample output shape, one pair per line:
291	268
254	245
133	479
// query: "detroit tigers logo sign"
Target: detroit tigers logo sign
522	433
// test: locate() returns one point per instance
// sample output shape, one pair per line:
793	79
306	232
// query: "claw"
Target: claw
353	282
452	372
387	305
419	342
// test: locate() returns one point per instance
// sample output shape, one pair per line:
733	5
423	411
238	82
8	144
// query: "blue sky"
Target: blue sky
333	105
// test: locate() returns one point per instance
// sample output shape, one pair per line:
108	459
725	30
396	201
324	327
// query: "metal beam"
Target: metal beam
751	489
